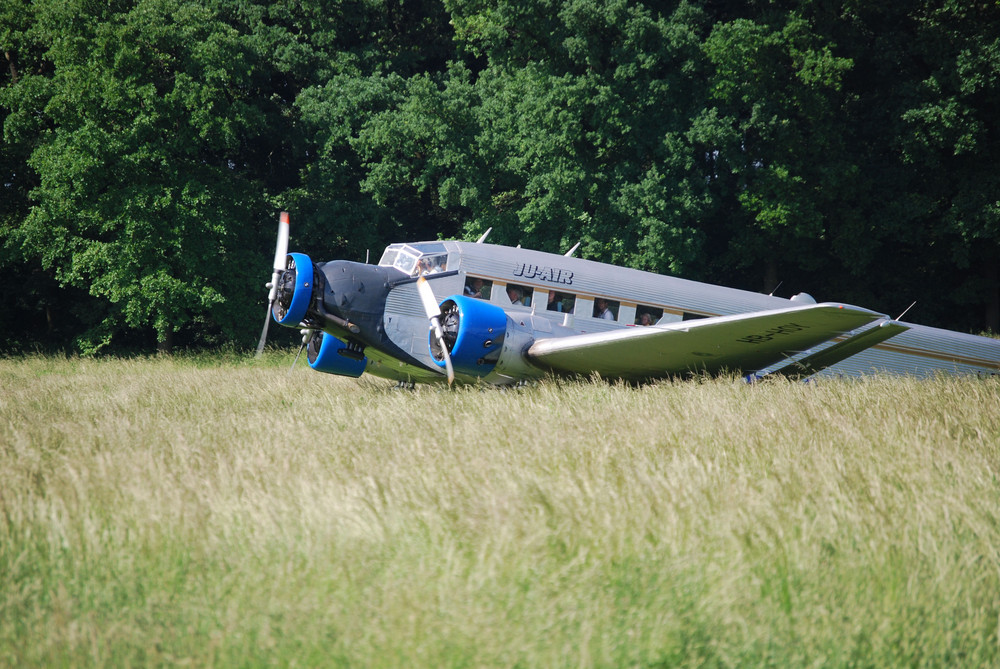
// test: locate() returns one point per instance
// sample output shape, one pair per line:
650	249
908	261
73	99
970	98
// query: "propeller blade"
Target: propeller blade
434	314
280	251
444	350
431	307
263	333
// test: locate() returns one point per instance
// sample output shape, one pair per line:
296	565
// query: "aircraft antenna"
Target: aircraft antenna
771	294
572	250
905	310
485	234
367	253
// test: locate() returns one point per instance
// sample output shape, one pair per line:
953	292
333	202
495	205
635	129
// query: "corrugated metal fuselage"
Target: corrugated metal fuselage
579	283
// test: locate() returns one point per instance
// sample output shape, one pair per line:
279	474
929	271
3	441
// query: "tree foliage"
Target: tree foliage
843	148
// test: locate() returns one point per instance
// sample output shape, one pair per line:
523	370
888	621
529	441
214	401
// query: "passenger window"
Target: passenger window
478	287
606	309
519	295
647	315
561	302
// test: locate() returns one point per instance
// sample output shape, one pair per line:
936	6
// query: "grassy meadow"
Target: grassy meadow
220	511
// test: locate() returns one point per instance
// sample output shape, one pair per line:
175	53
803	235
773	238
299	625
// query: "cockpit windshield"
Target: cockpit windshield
416	259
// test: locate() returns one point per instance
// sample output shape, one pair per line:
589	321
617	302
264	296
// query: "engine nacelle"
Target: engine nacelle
481	338
295	288
324	355
473	332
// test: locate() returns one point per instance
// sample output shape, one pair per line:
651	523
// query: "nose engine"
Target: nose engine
294	290
340	301
344	298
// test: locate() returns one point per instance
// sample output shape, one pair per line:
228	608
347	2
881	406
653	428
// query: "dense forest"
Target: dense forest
846	148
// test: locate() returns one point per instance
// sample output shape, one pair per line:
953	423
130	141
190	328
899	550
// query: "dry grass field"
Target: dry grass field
219	511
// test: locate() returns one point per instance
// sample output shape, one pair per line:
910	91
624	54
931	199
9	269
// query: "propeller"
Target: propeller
280	251
434	314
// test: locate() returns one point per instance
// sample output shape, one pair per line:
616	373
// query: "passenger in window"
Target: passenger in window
555	301
514	293
645	318
474	288
601	309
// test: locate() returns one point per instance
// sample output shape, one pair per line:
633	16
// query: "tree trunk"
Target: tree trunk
165	342
11	66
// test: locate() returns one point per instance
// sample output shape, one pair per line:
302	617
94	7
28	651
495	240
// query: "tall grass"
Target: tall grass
228	513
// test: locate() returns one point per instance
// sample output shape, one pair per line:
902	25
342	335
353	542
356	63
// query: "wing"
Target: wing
739	343
842	350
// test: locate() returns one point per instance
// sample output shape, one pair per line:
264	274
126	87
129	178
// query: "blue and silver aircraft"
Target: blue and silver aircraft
446	311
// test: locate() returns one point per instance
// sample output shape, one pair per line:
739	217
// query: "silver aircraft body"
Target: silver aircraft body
477	312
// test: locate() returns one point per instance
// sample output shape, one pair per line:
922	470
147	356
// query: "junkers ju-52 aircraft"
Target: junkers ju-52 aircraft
476	312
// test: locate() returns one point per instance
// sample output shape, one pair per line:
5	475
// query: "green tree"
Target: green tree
555	123
781	165
920	221
950	136
372	49
137	130
842	147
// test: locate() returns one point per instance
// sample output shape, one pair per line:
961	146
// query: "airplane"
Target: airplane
472	312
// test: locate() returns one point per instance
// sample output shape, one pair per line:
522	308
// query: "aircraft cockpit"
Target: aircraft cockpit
416	259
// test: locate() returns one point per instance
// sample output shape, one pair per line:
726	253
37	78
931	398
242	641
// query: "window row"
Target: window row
563	302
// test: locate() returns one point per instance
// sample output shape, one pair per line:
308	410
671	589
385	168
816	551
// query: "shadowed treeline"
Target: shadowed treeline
838	148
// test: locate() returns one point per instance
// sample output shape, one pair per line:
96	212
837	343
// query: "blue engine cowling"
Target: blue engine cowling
294	290
324	355
474	334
